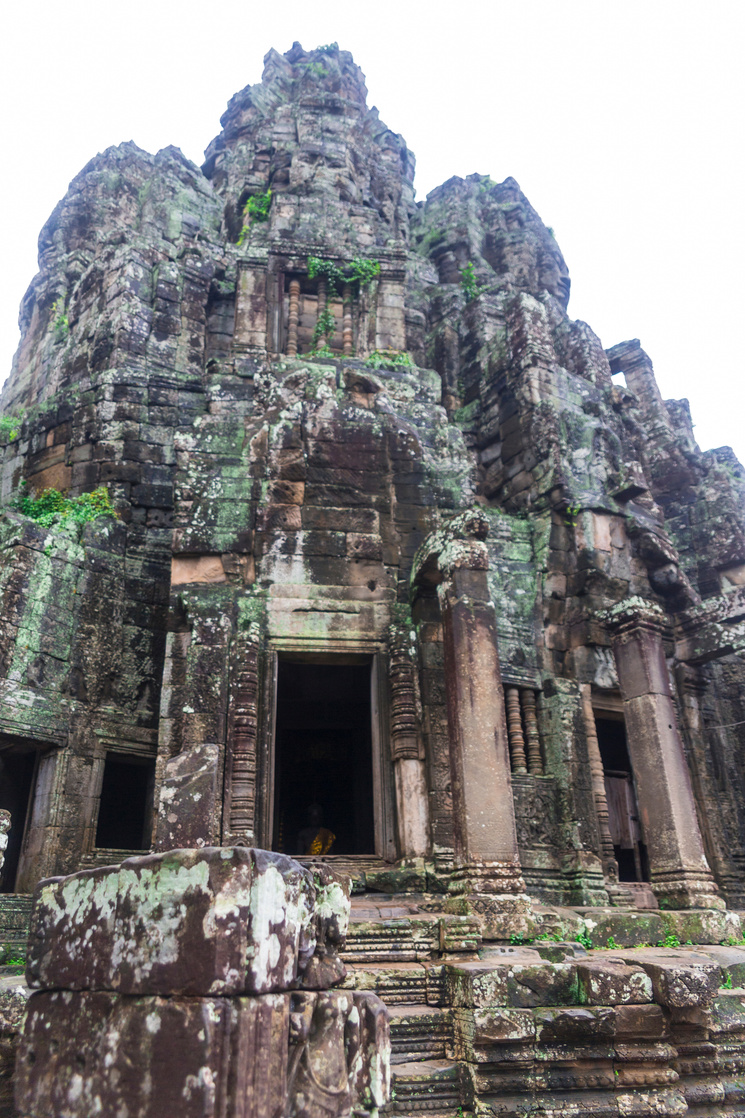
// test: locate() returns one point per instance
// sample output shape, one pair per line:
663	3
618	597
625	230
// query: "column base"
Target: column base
495	892
686	889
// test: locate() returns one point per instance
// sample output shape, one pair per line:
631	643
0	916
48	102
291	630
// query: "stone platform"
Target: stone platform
552	1027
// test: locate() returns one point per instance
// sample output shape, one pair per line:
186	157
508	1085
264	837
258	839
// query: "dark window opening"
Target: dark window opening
323	781
623	812
16	788
126	806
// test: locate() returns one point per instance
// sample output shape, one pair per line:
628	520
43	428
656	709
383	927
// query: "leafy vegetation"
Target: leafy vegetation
324	327
585	939
389	359
727	984
256	209
315	69
59	319
323	353
328	48
670	940
361	271
52	507
571	512
10	426
468	283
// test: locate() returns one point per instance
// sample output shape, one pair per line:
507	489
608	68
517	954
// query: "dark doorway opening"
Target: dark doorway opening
623	812
323	777
17	770
125	810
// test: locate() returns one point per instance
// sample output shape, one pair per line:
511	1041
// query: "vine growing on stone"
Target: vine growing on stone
256	209
361	271
52	507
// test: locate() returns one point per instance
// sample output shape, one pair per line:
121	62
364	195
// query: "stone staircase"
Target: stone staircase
548	1028
398	951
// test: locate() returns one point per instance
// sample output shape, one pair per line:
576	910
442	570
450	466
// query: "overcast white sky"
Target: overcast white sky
622	122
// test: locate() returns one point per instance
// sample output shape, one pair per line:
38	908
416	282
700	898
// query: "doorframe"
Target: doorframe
329	652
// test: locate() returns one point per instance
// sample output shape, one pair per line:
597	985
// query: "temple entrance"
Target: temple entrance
17	772
623	812
125	811
323	769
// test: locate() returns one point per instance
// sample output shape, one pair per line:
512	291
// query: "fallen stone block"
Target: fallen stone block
198	922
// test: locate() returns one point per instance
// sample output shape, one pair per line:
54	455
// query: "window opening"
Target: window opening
17	770
323	778
623	812
126	806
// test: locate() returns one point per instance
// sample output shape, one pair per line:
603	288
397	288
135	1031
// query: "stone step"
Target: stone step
403	983
419	1032
426	1085
408	938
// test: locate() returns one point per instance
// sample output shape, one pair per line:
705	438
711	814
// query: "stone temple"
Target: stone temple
407	579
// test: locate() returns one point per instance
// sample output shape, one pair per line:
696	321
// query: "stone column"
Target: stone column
412	800
292	318
347	336
535	760
680	874
486	853
515	730
607	853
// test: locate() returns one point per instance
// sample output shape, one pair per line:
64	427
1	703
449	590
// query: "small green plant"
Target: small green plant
670	940
52	507
328	48
550	231
611	943
324	327
256	209
727	984
59	319
517	939
468	283
323	353
585	939
571	512
10	426
315	69
389	359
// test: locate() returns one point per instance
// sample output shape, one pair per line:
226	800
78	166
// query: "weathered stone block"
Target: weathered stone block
688	980
604	982
102	1054
198	922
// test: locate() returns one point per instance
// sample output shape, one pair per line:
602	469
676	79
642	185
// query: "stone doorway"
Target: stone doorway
17	782
323	758
623	812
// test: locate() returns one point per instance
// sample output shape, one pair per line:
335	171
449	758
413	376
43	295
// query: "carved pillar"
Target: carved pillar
535	759
515	730
321	340
724	855
346	330
679	872
293	317
607	853
486	852
240	761
408	765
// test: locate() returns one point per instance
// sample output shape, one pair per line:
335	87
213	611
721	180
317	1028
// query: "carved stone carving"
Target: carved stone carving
404	714
515	730
536	813
240	776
